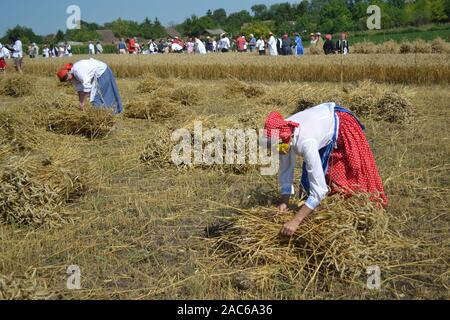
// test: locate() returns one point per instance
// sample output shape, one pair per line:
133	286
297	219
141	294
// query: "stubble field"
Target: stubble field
100	192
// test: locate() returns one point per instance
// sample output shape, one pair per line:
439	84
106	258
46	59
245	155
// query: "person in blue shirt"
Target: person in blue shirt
299	45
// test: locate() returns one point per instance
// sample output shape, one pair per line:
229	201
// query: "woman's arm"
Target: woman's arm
83	96
291	227
318	188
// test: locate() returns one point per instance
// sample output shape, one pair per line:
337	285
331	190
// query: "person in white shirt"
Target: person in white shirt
93	79
46	52
199	46
273	51
336	155
2	60
224	43
16	53
6	53
98	48
261	46
91	48
152	48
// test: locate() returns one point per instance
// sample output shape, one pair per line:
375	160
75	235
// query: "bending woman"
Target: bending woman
336	153
93	79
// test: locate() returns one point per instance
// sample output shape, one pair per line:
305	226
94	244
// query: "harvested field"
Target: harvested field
101	191
392	68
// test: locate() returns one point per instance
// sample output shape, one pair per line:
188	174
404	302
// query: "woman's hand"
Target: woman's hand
282	208
290	228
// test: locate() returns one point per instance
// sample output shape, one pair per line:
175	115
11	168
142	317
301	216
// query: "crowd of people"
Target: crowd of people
272	45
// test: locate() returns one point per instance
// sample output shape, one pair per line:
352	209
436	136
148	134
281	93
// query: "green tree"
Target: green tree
236	20
438	13
257	28
335	17
219	16
260	11
60	36
195	26
26	35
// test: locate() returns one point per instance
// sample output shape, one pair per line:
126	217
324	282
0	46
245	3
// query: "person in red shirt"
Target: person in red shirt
242	44
131	46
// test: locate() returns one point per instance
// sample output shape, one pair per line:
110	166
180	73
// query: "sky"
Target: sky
47	16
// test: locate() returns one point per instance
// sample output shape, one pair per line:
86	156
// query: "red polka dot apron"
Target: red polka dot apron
348	161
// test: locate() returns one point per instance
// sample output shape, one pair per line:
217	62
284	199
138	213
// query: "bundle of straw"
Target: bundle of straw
16	85
149	84
394	108
27	287
235	87
187	95
158	152
339	240
152	108
35	187
47	99
16	135
91	123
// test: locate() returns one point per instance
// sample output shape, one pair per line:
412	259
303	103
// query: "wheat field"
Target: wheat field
98	191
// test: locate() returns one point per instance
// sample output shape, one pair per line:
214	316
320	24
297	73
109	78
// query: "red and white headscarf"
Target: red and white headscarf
275	121
64	71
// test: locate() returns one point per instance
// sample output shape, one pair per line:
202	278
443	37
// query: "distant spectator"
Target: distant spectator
280	46
214	44
199	46
319	40
2	60
224	43
261	46
46	52
161	46
68	49
152	47
328	46
273	51
132	46
312	39
252	43
17	53
177	45
241	44
190	46
5	52
209	44
286	45
299	49
91	48
137	46
98	48
342	46
122	47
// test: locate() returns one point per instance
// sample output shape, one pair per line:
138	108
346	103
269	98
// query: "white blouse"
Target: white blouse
85	72
18	52
316	131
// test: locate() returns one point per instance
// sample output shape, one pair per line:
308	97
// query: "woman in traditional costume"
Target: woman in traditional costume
95	81
337	158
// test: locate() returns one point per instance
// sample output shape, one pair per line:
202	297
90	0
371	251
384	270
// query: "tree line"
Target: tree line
326	16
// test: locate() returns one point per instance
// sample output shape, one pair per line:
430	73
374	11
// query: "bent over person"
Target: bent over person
336	154
95	81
